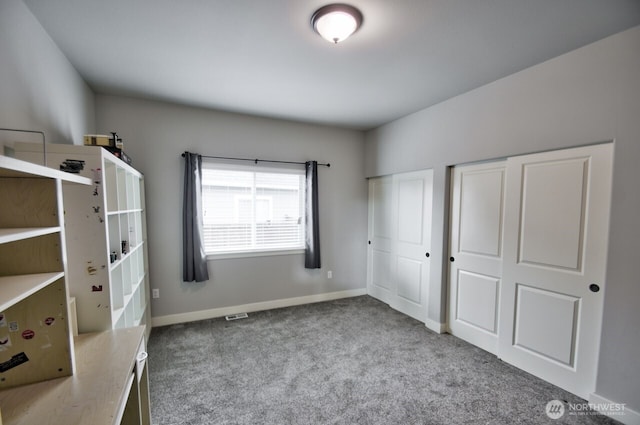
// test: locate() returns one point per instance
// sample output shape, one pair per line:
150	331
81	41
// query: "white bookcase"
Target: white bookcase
36	342
106	237
110	387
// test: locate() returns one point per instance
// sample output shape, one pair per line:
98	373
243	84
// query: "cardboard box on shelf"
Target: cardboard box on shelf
98	140
103	140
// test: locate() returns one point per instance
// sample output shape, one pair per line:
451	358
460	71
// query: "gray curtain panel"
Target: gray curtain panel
312	230
194	259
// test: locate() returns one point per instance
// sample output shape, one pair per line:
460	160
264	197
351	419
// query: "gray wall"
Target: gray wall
39	89
155	134
589	95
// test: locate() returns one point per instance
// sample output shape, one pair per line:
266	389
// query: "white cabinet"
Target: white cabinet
35	338
106	236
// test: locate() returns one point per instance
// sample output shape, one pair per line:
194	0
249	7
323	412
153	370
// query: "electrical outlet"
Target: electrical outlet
155	293
329	274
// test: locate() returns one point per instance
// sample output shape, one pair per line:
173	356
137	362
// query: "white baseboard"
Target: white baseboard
630	417
437	327
173	319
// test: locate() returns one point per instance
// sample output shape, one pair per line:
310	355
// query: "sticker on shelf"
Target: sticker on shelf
72	166
13	327
95	288
49	321
28	334
91	270
97	175
5	342
14	361
3	321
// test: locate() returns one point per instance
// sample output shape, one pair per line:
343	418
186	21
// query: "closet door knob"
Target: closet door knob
427	255
369	242
452	259
594	288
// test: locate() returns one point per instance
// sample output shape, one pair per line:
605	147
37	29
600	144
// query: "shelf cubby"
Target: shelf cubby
100	217
36	338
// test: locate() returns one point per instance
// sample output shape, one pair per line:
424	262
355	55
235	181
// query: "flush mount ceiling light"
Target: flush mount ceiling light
336	22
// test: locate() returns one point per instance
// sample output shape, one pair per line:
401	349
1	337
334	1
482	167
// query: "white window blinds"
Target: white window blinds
250	209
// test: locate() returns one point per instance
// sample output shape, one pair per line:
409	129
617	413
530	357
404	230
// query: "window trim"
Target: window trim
261	252
251	254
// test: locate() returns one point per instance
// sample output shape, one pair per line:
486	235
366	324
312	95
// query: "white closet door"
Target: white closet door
556	232
475	268
399	241
413	197
380	261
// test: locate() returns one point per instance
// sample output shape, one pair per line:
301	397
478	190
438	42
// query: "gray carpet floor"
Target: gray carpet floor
350	361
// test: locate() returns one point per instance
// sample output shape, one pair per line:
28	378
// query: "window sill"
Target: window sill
249	254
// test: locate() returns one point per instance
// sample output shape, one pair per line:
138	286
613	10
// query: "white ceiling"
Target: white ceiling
262	57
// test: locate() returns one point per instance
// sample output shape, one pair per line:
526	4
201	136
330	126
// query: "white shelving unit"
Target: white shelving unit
110	387
106	236
36	342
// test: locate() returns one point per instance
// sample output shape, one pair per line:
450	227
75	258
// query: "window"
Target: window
248	209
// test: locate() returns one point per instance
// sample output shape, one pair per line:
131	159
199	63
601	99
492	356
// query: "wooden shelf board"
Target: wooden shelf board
94	395
133	249
14	289
138	283
11	167
117	212
17	234
127	300
112	266
116	314
115	264
140	316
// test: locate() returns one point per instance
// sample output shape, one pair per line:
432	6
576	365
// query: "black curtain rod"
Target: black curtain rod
256	160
